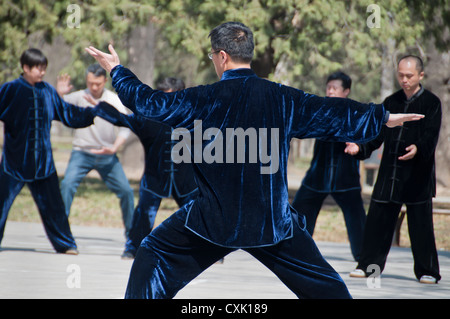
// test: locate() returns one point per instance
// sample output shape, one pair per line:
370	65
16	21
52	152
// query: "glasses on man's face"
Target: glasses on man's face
210	54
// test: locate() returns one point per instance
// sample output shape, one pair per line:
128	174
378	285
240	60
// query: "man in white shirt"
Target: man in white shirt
95	147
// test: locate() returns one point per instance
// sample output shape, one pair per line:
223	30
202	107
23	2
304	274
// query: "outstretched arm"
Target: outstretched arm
364	151
72	115
399	118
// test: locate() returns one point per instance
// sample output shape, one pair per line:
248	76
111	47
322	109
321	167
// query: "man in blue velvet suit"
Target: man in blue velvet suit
162	177
336	173
243	196
27	107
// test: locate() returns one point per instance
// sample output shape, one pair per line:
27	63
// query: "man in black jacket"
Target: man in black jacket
406	176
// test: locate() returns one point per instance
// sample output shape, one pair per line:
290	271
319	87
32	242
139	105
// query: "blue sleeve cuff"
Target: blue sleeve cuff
386	117
114	69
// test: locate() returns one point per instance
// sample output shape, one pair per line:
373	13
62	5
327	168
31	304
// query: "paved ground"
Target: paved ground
30	269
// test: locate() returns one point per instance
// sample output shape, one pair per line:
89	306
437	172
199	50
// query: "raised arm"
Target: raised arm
107	61
141	99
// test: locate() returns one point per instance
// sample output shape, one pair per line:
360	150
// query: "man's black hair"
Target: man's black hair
419	62
234	38
169	83
96	69
33	57
345	79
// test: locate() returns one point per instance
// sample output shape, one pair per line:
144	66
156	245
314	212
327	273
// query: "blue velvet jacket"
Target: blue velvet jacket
27	112
331	169
242	202
161	175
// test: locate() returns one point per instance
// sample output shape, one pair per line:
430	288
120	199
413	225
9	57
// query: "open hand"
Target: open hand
399	118
90	99
63	85
107	61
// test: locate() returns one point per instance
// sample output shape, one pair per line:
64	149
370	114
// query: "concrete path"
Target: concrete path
29	269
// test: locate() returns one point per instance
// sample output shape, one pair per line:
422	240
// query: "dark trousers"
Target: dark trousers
172	255
309	202
47	197
145	215
379	230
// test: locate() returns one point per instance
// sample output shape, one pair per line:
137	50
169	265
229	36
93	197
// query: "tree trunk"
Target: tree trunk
387	70
141	52
437	80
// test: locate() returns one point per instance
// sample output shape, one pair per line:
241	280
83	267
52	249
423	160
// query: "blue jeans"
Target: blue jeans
111	172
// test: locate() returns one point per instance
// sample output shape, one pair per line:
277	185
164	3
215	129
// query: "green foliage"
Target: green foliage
315	38
438	16
18	20
303	40
101	22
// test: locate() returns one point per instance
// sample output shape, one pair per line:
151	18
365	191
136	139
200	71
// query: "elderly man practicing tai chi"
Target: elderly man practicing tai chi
241	128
